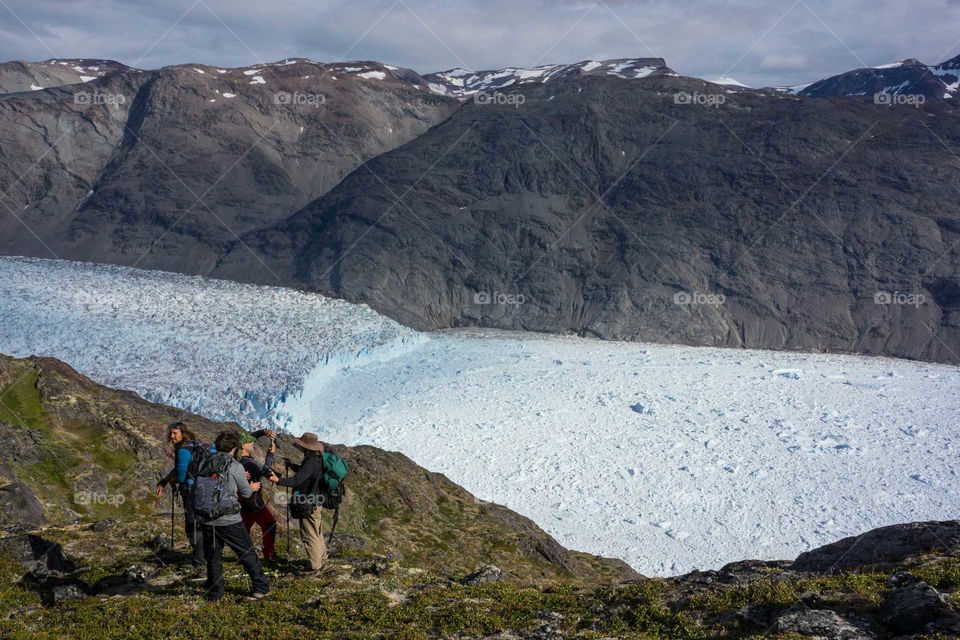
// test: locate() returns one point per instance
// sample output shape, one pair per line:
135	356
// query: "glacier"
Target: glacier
227	351
672	458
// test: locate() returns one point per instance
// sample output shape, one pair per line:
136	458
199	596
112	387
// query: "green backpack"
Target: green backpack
334	472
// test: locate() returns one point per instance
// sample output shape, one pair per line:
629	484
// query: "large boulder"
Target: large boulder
912	608
881	547
820	623
38	556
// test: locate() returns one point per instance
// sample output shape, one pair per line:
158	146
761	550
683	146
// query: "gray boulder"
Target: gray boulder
488	573
911	608
64	592
820	623
36	554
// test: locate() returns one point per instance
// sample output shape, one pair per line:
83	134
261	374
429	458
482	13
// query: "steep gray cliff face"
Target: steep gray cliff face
157	168
613	208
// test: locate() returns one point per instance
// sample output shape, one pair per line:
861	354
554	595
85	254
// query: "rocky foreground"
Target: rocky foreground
86	553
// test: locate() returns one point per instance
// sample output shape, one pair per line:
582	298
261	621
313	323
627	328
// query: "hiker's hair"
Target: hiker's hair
227	440
188	436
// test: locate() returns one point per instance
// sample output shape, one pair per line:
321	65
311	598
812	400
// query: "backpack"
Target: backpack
199	454
327	490
210	501
335	470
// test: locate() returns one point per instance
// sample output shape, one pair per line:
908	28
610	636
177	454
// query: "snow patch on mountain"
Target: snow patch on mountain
728	82
462	83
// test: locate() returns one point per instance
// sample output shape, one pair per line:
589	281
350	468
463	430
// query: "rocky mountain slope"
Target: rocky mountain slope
20	76
158	167
634	210
84	553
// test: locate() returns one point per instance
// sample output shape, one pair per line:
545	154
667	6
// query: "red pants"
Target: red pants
268	525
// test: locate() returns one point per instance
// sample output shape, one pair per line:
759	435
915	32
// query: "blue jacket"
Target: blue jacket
184	456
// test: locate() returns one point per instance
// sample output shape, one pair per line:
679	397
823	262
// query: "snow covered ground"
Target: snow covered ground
672	458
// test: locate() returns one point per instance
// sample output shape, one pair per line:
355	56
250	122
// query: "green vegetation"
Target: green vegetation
859	591
942	574
20	402
303	608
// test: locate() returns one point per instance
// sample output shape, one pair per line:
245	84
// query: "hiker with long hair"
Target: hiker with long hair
305	503
186	447
255	510
221	483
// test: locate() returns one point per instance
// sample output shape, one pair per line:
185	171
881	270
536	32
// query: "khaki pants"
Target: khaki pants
311	532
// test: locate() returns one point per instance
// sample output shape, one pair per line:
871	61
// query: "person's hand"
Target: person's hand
248	476
270	434
159	490
274	479
255	486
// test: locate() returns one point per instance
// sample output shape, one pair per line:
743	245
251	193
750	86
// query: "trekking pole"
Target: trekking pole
286	474
172	518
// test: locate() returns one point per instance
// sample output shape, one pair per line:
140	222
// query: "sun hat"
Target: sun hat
309	441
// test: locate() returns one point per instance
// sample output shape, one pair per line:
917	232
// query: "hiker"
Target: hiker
186	447
221	482
305	499
255	510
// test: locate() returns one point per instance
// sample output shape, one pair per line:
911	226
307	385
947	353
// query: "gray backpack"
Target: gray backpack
210	500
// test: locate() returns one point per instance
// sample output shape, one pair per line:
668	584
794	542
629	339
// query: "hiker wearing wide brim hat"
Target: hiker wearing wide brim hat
304	503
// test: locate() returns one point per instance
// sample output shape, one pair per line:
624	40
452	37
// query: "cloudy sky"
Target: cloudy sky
759	42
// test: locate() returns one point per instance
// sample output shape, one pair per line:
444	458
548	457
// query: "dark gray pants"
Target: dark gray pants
236	537
193	529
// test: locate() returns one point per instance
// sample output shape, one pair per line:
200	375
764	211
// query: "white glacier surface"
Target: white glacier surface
221	349
670	457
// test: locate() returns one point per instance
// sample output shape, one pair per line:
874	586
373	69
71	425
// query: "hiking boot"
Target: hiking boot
257	596
312	573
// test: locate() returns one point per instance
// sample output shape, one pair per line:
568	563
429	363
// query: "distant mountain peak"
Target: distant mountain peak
463	83
906	77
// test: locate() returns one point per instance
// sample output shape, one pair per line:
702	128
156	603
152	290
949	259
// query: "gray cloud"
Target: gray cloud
758	42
